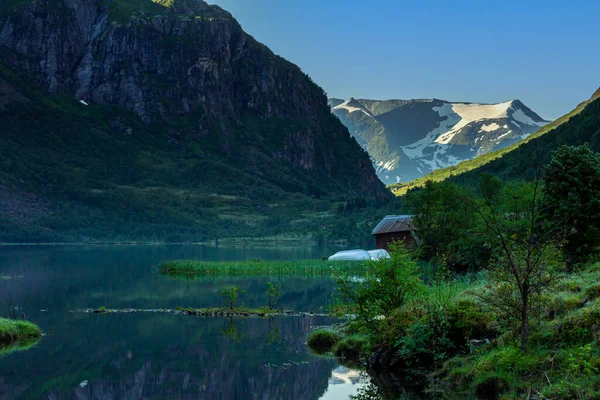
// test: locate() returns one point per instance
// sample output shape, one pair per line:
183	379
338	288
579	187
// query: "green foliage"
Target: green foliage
304	268
322	341
352	350
567	374
230	295
564	358
386	285
273	294
433	325
450	229
468	321
572	190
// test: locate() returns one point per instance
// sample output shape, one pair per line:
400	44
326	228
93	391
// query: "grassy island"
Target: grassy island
305	268
16	335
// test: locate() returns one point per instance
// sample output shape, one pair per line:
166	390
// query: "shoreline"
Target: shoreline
228	242
207	312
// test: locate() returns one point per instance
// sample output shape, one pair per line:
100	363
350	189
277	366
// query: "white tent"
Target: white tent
359	254
350	255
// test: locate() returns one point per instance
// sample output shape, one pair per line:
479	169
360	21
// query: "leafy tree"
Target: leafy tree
448	226
273	293
525	260
230	295
572	192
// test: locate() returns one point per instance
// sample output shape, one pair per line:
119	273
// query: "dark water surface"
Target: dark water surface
160	356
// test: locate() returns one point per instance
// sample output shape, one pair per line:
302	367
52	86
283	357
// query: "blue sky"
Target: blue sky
545	53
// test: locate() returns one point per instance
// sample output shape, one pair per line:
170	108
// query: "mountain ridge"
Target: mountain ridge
529	154
409	138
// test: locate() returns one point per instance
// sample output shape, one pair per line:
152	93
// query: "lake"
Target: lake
161	356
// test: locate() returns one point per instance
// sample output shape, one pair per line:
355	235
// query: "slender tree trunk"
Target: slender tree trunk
524	320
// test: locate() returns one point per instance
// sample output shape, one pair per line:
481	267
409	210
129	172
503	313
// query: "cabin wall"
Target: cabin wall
384	240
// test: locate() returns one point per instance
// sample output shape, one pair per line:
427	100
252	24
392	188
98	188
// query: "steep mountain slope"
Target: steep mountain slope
163	113
410	138
523	160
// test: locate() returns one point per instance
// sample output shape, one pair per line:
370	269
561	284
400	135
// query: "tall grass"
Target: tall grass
305	268
12	331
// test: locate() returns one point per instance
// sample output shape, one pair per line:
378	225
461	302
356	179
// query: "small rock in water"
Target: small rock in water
83	384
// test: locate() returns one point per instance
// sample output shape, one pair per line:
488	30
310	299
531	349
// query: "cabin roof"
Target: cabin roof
394	223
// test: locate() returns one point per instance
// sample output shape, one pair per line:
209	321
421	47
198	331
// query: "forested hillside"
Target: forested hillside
153	120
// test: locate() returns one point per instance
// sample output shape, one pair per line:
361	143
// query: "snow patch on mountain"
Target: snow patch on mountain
347	105
474	112
490	128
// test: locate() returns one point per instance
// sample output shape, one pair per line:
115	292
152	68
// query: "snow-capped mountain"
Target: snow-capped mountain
410	138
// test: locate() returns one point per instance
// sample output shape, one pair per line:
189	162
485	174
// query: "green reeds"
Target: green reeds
305	268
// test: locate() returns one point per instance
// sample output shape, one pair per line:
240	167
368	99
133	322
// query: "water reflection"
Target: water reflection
159	356
344	383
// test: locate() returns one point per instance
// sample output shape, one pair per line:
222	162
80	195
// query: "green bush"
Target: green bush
580	326
351	349
322	341
560	305
468	321
592	292
386	286
230	295
397	324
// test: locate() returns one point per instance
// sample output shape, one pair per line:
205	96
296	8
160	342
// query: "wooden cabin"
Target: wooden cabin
395	228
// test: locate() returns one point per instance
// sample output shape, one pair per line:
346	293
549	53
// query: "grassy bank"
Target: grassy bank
470	351
16	332
563	361
310	268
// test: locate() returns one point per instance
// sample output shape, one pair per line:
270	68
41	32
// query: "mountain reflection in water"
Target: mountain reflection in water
160	356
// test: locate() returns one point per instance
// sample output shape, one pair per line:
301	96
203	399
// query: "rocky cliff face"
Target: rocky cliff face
183	60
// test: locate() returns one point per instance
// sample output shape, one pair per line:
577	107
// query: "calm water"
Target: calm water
160	356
